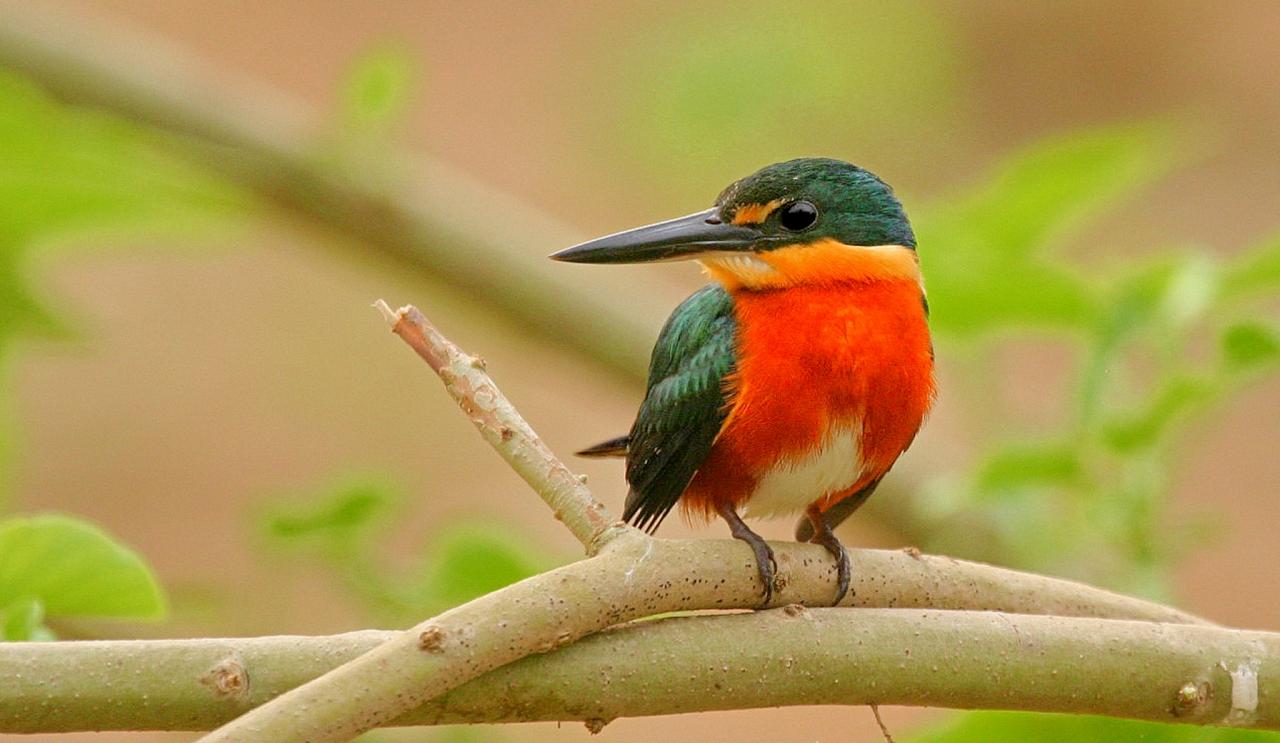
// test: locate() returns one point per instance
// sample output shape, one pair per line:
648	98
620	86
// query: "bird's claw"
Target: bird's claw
843	571
827	538
767	567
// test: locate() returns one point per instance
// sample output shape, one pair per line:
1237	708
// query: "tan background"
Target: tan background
211	380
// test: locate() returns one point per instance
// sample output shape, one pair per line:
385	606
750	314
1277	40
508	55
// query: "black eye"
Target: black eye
798	215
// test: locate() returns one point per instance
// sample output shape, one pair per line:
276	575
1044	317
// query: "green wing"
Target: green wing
684	407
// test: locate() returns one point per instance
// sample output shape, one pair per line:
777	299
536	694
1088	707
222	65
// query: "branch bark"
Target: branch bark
789	656
632	578
505	429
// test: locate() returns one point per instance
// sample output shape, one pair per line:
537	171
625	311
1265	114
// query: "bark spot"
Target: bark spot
431	640
1191	698
228	679
794	610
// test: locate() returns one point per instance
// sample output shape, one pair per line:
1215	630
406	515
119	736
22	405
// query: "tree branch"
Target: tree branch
631	576
504	428
789	656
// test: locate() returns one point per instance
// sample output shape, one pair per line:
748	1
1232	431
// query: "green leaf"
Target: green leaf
1046	189
1174	290
19	310
470	561
379	87
1019	727
984	255
1246	345
1177	396
74	569
1255	270
1024	464
340	517
23	621
67	170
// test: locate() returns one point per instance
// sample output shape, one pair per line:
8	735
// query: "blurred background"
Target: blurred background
200	200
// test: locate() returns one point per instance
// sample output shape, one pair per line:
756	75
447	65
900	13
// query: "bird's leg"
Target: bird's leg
765	564
823	535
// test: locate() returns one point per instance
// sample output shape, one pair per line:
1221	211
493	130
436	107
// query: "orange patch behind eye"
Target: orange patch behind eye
755	213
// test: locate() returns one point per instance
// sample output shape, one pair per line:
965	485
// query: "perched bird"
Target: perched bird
795	380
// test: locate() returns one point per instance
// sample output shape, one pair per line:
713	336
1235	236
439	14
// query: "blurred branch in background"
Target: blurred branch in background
427	217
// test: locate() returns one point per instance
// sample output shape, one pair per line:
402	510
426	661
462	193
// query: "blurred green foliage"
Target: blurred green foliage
379	87
730	88
67	173
55	566
986	255
1085	496
992	727
347	527
374	98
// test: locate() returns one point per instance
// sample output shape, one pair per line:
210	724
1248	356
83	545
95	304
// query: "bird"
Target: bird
793	381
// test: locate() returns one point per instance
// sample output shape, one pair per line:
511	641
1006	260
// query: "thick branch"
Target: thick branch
632	578
981	660
504	428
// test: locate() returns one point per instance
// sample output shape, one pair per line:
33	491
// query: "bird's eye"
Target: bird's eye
798	215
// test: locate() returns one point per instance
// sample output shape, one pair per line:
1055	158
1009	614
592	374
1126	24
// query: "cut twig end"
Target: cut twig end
391	316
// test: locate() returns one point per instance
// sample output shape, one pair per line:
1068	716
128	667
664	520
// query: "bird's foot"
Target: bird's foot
823	535
766	565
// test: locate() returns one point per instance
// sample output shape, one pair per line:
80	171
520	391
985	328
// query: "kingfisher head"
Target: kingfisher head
805	221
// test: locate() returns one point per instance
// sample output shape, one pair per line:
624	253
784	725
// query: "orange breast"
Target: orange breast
812	358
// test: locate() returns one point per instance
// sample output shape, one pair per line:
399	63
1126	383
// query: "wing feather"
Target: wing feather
684	407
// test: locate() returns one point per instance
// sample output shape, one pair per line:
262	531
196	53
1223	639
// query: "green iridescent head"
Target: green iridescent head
792	203
816	198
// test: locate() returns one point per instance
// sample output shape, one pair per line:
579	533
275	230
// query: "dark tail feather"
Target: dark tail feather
611	448
837	513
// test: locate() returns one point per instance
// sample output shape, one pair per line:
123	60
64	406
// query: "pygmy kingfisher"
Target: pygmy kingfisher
795	380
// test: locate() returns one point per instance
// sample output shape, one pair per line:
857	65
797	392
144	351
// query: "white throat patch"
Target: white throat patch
746	267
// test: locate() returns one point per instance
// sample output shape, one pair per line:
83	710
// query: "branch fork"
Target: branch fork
929	631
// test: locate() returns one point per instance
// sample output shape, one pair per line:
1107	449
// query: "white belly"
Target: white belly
793	484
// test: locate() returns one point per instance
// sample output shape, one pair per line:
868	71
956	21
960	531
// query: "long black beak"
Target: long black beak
682	237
